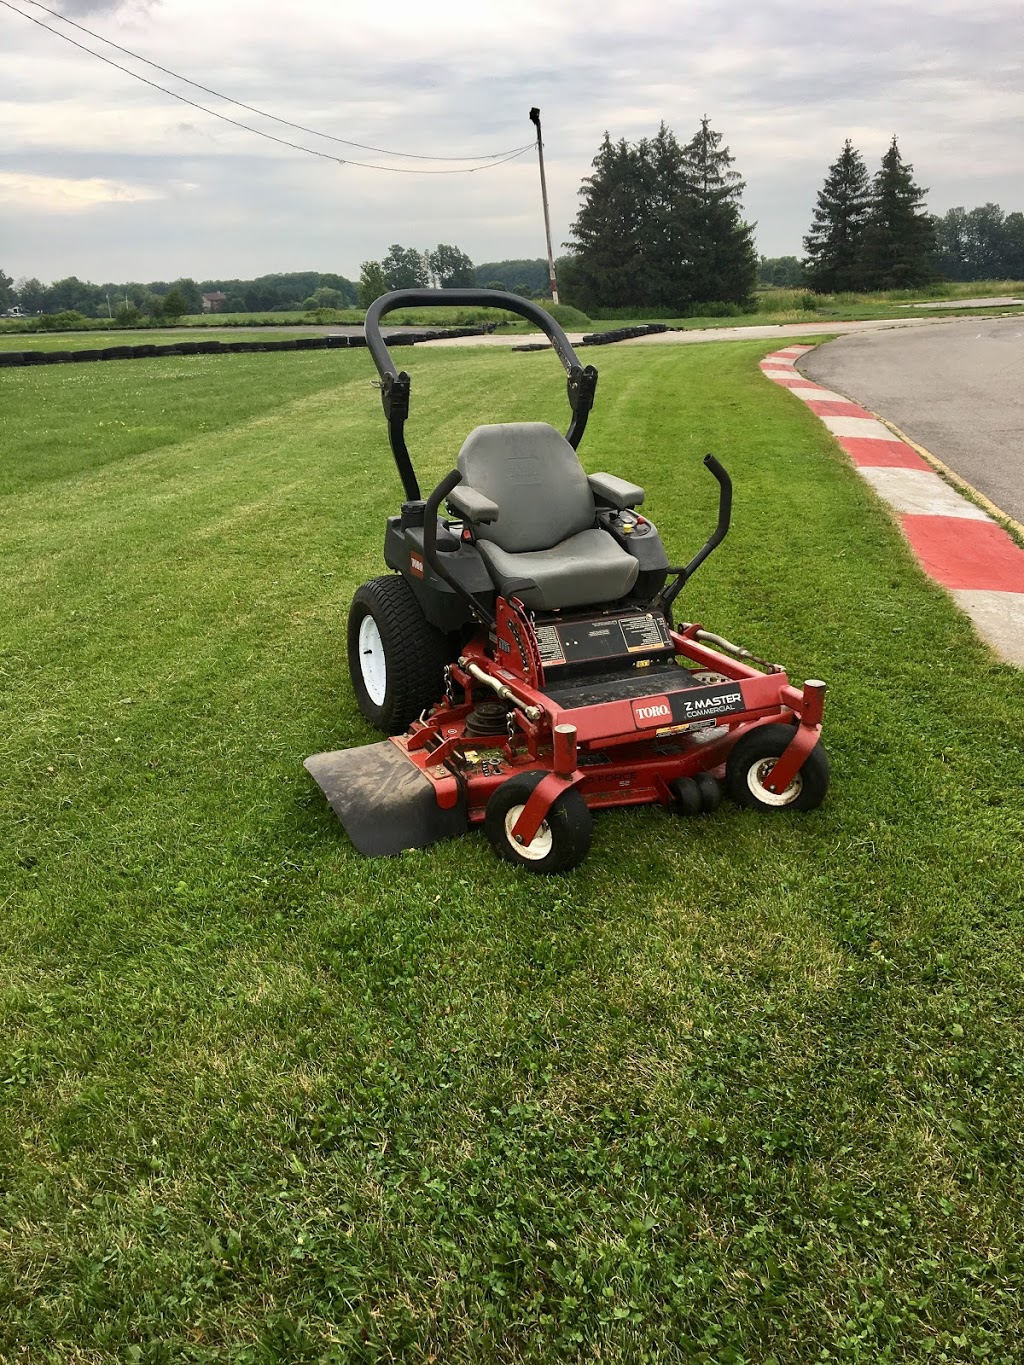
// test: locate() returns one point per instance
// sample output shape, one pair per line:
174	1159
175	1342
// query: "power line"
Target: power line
494	159
299	127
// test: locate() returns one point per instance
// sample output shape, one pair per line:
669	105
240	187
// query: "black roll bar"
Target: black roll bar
581	380
670	592
430	554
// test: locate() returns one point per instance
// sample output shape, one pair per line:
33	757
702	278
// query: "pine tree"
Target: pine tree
722	262
834	241
670	194
608	236
899	236
660	227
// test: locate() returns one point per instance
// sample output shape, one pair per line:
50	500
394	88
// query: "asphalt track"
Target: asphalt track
956	388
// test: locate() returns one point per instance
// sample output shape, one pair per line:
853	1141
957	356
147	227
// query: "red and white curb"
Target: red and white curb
956	543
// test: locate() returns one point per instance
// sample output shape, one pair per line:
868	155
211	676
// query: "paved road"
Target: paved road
759	332
957	388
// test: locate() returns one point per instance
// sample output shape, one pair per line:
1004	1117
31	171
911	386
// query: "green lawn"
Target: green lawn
100	340
741	1089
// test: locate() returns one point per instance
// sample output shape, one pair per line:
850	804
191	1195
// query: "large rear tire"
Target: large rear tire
395	656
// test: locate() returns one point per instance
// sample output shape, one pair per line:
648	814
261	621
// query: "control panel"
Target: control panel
596	639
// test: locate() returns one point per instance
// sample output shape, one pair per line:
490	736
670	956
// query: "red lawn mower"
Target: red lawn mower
523	659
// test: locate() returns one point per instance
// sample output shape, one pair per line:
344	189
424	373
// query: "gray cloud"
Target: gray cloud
83	9
785	87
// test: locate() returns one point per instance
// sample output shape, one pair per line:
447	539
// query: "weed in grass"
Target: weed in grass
739	1089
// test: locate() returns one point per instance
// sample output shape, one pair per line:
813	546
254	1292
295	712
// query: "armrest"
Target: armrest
472	504
615	492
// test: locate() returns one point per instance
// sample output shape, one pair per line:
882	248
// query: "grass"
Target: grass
79	341
741	1089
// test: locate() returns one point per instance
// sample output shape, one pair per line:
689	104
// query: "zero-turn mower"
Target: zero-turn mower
523	659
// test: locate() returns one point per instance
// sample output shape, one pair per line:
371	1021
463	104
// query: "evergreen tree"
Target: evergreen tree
671	194
899	236
6	291
660	227
722	261
606	266
837	229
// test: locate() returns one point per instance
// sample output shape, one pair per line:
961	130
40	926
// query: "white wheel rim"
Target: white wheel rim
372	664
758	774
538	847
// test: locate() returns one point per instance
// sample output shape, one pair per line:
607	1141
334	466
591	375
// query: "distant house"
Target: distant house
214	303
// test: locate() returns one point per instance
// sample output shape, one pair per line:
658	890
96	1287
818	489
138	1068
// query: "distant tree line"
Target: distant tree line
980	244
780	272
660	227
528	278
404	267
161	300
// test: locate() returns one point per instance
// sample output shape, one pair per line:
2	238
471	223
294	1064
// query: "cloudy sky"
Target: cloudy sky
108	179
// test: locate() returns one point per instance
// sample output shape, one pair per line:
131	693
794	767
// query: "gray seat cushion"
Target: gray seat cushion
532	472
588	567
544	546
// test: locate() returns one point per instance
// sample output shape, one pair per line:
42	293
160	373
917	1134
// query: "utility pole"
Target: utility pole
535	118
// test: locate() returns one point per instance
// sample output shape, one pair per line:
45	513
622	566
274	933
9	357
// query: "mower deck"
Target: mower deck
620	737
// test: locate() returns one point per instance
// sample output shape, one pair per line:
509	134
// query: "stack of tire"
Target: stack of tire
14	359
645	329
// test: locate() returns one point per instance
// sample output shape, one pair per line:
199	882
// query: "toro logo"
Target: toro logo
651	711
416	565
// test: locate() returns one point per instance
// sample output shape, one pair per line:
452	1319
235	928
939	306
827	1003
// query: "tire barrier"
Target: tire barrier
15	359
624	334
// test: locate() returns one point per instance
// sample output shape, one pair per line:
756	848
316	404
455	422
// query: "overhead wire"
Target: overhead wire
491	160
299	127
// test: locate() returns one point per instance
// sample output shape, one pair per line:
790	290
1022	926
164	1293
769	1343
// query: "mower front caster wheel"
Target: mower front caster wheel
395	656
752	760
561	843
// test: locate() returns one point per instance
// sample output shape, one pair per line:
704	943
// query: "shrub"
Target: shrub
565	315
326	315
62	322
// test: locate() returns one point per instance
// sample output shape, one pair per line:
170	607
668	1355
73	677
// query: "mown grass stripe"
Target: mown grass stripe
740	1087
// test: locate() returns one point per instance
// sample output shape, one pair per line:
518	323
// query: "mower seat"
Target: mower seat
539	539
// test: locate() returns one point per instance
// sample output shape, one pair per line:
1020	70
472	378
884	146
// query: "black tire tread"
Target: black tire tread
769	741
569	819
415	653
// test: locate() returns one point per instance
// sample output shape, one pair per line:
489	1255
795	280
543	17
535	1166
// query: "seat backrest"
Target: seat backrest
532	472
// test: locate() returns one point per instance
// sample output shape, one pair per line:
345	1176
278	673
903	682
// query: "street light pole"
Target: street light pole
535	118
